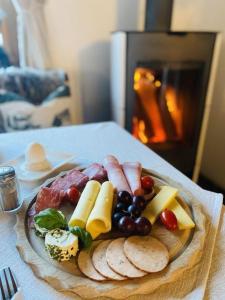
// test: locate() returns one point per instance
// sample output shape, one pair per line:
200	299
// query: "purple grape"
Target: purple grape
142	226
126	225
116	217
139	202
120	207
134	211
124	197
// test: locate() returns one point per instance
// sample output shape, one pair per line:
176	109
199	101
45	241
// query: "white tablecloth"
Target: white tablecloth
93	142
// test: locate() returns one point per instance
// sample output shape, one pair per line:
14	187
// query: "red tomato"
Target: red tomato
169	219
73	195
147	182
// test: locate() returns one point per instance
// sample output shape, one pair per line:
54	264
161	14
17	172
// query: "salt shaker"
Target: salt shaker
9	190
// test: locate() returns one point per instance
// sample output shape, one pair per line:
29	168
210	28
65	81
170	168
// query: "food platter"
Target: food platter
185	250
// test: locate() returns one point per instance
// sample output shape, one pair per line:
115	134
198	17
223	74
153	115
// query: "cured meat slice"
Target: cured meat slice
96	172
47	198
132	171
115	174
77	178
73	178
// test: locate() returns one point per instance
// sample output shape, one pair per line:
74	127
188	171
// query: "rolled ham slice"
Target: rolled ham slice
132	171
115	174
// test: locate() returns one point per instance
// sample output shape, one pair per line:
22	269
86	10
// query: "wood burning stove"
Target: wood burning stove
161	86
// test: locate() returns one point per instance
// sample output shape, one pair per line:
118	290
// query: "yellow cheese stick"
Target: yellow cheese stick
99	220
85	204
159	203
183	219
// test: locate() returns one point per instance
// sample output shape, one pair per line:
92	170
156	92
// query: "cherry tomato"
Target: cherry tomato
169	219
73	195
147	183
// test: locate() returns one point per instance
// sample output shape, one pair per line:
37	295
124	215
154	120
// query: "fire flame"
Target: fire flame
151	128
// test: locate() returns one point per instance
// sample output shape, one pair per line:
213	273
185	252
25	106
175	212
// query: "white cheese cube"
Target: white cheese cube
61	245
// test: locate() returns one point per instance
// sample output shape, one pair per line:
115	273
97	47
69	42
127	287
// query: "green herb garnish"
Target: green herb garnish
85	239
51	218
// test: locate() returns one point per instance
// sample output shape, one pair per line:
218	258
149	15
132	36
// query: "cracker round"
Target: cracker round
100	262
118	261
146	253
86	266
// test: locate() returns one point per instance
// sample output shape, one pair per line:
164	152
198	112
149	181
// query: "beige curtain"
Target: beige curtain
32	34
8	28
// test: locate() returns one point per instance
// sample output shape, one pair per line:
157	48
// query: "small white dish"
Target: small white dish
56	159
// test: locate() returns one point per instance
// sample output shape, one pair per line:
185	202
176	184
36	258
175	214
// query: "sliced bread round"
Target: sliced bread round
100	262
146	253
86	266
118	261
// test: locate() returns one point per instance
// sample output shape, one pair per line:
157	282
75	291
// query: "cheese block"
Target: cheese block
61	245
160	202
85	204
99	220
183	219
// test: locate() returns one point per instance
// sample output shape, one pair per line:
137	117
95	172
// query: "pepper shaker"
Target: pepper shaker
9	190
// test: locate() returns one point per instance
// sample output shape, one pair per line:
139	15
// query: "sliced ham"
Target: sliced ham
47	198
96	172
115	174
132	171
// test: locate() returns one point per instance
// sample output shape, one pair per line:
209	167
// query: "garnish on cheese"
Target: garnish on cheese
50	218
85	204
39	231
84	237
183	219
61	245
99	220
159	203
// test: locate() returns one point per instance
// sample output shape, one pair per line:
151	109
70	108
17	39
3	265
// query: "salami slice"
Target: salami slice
47	198
96	172
73	178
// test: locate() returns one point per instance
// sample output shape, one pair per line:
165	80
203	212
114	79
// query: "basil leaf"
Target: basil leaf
84	237
50	218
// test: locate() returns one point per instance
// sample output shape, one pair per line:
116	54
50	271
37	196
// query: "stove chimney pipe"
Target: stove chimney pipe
158	15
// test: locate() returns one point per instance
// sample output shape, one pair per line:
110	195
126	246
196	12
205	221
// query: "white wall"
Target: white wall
209	15
79	38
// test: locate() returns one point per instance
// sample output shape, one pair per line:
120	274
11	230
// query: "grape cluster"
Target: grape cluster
127	214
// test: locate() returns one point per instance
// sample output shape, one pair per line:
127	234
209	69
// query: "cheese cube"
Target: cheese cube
61	245
183	219
160	202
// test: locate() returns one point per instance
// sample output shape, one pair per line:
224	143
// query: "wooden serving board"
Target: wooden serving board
178	243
